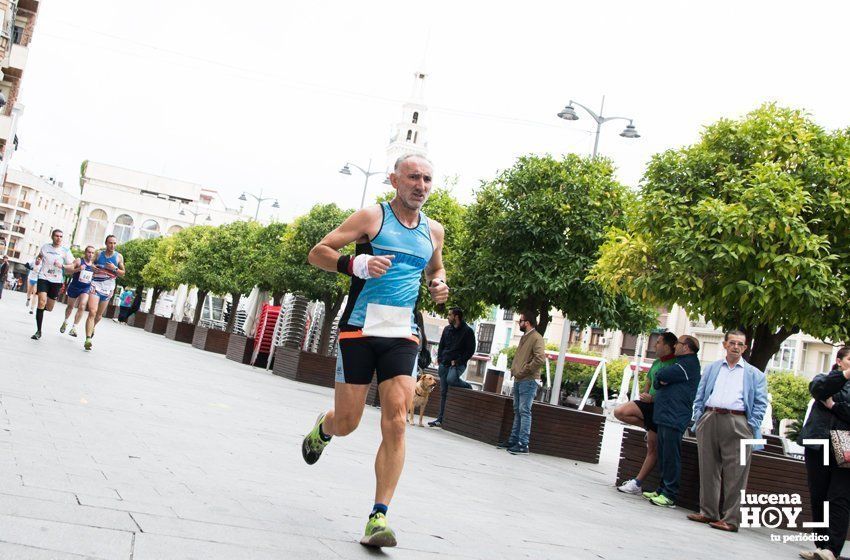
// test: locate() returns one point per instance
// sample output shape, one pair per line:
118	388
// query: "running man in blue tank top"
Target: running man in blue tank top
109	265
395	244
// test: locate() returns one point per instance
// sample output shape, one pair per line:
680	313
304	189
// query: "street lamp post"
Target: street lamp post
194	215
259	200
568	113
367	173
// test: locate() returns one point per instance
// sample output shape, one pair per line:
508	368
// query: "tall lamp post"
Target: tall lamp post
568	113
259	200
194	215
346	170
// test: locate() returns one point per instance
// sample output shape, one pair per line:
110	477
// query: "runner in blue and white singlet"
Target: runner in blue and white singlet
79	289
109	265
395	244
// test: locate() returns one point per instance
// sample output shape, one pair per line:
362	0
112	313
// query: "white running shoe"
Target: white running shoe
73	331
630	487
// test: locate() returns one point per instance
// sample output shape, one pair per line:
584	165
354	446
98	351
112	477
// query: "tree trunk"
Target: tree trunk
232	319
544	318
154	297
199	306
764	342
277	298
331	309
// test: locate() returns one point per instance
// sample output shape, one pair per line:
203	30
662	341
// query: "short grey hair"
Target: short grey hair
406	157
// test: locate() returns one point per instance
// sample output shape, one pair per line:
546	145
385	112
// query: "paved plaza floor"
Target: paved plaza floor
146	448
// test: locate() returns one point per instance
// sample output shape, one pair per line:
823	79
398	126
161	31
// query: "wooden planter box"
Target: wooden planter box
555	430
210	340
179	331
111	311
306	367
138	319
770	473
240	348
156	324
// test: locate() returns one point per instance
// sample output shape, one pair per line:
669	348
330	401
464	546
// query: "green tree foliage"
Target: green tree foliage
790	394
748	227
224	262
137	253
162	272
188	269
533	234
301	277
268	259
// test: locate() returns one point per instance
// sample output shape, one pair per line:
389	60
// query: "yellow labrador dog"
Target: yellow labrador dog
424	385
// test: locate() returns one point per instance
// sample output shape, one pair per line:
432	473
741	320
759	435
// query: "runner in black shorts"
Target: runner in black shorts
395	244
55	261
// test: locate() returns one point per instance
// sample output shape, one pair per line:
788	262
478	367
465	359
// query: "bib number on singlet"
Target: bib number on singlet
85	276
387	321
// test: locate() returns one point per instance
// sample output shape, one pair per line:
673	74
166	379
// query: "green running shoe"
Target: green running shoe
87	345
63	327
663	501
313	444
650	495
378	534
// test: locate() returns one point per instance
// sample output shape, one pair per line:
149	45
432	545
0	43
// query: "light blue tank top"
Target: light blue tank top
399	287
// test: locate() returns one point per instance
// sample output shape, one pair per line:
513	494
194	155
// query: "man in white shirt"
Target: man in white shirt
730	405
55	260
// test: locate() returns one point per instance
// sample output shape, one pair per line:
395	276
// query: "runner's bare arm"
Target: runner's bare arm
120	272
435	273
361	226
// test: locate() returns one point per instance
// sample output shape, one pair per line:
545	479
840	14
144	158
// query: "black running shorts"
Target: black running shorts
51	288
647	409
358	358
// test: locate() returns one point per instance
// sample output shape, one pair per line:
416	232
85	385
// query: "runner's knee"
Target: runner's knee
344	425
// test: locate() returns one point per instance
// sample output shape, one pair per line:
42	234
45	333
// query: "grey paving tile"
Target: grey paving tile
10	551
66	537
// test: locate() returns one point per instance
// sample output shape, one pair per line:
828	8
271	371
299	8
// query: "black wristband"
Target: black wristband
342	264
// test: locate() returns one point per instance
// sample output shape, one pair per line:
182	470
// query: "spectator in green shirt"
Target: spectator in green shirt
639	412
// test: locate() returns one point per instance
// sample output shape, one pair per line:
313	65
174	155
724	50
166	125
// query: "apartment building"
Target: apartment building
31	207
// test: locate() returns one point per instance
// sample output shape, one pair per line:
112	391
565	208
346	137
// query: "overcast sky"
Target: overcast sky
279	95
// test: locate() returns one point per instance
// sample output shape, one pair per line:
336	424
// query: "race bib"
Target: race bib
387	321
85	276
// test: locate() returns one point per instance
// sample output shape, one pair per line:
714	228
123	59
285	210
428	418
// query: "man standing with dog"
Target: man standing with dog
457	345
395	244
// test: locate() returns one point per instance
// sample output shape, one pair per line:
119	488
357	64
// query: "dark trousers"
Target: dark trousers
669	460
831	484
449	376
123	314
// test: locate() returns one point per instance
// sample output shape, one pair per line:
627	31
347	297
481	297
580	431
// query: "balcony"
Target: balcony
8	200
17	60
24	205
5	127
14	229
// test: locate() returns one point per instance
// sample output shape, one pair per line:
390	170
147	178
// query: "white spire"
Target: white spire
409	133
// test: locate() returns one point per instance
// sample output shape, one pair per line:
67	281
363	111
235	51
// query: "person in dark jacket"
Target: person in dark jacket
675	390
828	483
457	345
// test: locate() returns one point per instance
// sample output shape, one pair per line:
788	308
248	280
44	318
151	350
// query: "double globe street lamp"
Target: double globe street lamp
568	113
194	215
346	170
259	200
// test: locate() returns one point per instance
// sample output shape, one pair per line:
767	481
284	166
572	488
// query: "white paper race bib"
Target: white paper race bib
85	276
387	321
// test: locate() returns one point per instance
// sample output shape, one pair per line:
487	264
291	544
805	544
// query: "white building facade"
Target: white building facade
131	204
30	208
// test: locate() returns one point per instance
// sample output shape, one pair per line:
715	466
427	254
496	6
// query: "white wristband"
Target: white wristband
360	268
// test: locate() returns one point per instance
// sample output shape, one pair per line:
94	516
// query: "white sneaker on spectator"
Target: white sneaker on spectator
630	487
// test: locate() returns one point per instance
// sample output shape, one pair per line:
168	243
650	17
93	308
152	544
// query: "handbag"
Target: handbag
841	447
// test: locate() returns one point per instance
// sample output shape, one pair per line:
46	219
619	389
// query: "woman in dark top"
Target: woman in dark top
830	411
